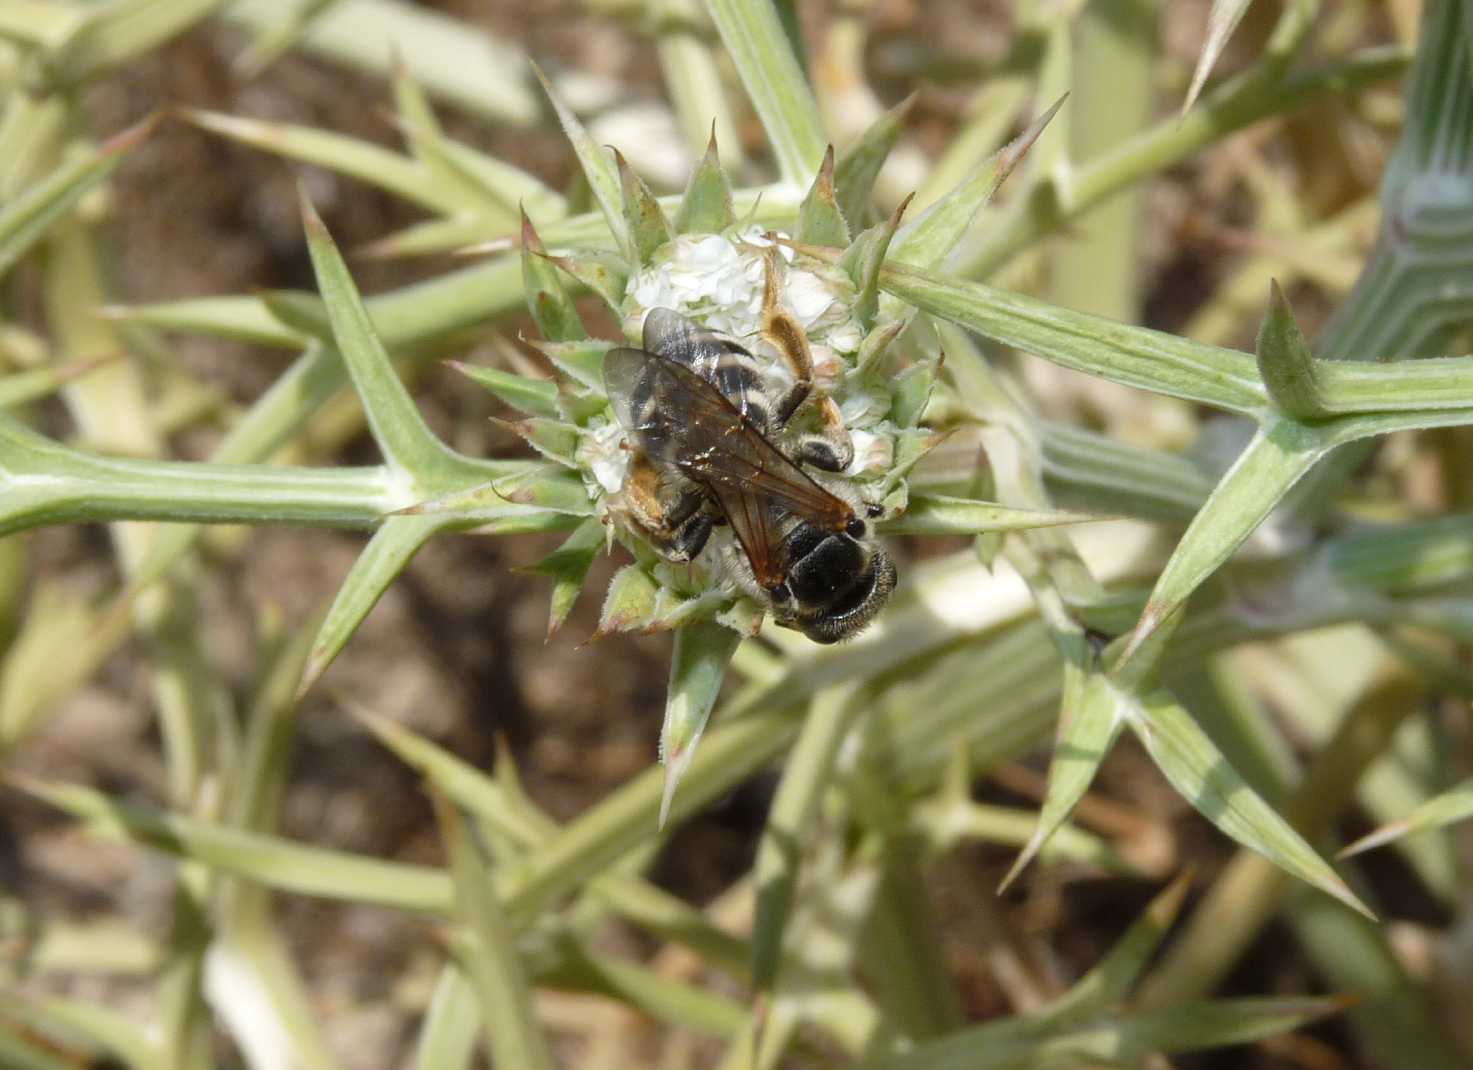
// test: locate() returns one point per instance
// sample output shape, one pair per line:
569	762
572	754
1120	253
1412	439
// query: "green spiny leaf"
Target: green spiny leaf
926	240
764	59
1091	722
400	431
540	499
943	515
1200	773
875	362
820	220
554	439
706	206
648	227
568	566
1109	982
860	163
604	273
1287	366
1221	22
26	218
630	602
806	776
912	391
300	310
1134	356
447	1037
271	860
1451	806
862	262
1279	454
599	170
492	959
581	361
453	234
387	554
552	309
379	167
697	667
537	397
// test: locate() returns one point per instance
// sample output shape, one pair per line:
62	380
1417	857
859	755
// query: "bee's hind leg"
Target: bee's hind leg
830	448
690	536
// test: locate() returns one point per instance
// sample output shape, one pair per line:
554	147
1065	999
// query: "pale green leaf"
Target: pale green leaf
108	1029
697	667
1092	719
927	240
859	164
806	776
1110	980
598	168
1222	20
648	228
28	216
270	860
1289	369
447	1037
535	396
1202	776
377	166
568	567
400	431
1133	356
387	554
454	61
820	220
548	301
1036	1044
491	958
1451	806
705	208
1279	454
939	514
760	50
118	32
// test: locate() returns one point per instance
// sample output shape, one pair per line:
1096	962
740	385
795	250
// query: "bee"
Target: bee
699	412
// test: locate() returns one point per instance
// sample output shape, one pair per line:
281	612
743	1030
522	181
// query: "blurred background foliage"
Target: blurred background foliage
202	866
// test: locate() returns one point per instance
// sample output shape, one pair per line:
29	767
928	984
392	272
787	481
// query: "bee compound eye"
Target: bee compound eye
856	528
780	592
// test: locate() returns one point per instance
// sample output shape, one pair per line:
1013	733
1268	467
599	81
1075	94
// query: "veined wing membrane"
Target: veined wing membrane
682	419
751	525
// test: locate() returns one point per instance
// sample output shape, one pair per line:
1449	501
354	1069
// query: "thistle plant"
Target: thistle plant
1154	620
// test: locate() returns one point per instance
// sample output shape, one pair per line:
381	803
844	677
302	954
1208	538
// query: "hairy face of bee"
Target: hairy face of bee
834	586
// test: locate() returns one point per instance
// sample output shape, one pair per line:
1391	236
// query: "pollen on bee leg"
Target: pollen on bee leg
779	326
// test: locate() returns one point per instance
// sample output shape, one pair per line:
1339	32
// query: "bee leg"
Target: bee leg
831	449
791	402
787	336
690	537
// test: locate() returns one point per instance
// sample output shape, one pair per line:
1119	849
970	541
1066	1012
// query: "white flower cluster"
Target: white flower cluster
718	281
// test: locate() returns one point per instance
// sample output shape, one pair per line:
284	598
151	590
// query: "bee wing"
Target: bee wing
680	418
751	523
